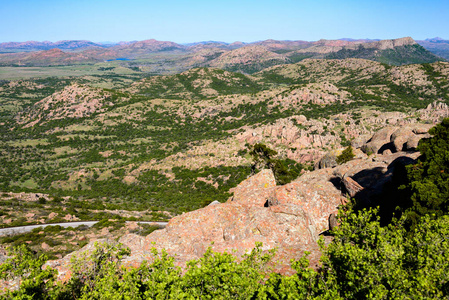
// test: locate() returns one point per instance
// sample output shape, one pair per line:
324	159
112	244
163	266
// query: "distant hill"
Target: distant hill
393	52
437	46
248	59
38	46
52	57
260	55
237	56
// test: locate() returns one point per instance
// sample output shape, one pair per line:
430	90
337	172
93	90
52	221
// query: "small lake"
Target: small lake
121	58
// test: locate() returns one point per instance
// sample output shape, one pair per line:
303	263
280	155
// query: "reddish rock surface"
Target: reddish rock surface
352	187
288	218
397	139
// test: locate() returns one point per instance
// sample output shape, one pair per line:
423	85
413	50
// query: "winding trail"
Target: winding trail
28	228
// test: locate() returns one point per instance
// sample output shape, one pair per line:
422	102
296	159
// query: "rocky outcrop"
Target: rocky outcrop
74	101
390	44
379	139
435	112
397	139
288	218
283	217
365	179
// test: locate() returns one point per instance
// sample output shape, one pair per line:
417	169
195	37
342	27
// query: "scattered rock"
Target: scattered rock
132	226
45	246
30	216
52	215
70	218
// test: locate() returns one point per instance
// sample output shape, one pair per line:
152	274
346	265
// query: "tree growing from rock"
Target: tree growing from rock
264	158
345	156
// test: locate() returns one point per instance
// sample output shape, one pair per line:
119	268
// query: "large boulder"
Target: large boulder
379	141
329	160
406	138
283	217
396	139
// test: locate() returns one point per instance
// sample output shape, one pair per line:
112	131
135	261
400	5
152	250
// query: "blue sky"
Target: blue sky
229	21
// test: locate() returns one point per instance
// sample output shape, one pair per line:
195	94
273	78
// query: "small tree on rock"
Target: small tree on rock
284	171
346	155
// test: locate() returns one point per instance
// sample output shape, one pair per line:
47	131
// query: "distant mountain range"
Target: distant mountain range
237	56
38	46
437	46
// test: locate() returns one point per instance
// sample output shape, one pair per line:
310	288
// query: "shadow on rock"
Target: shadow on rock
381	187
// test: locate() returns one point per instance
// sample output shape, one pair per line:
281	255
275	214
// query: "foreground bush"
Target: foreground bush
365	261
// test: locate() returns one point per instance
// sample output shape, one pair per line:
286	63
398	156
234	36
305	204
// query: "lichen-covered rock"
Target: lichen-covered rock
256	190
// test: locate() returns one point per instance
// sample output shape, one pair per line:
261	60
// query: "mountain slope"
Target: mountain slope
196	83
393	52
248	59
437	46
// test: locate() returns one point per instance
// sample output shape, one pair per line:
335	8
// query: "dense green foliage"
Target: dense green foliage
35	282
429	178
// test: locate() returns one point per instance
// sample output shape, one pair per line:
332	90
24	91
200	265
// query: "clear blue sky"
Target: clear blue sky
229	21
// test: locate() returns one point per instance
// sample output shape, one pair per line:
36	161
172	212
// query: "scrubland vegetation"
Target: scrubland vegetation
141	152
99	157
364	261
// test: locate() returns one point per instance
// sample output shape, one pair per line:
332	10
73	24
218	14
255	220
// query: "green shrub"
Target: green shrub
35	282
284	171
429	177
346	155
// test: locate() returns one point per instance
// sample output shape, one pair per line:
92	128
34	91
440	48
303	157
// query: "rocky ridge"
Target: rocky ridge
247	58
74	101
